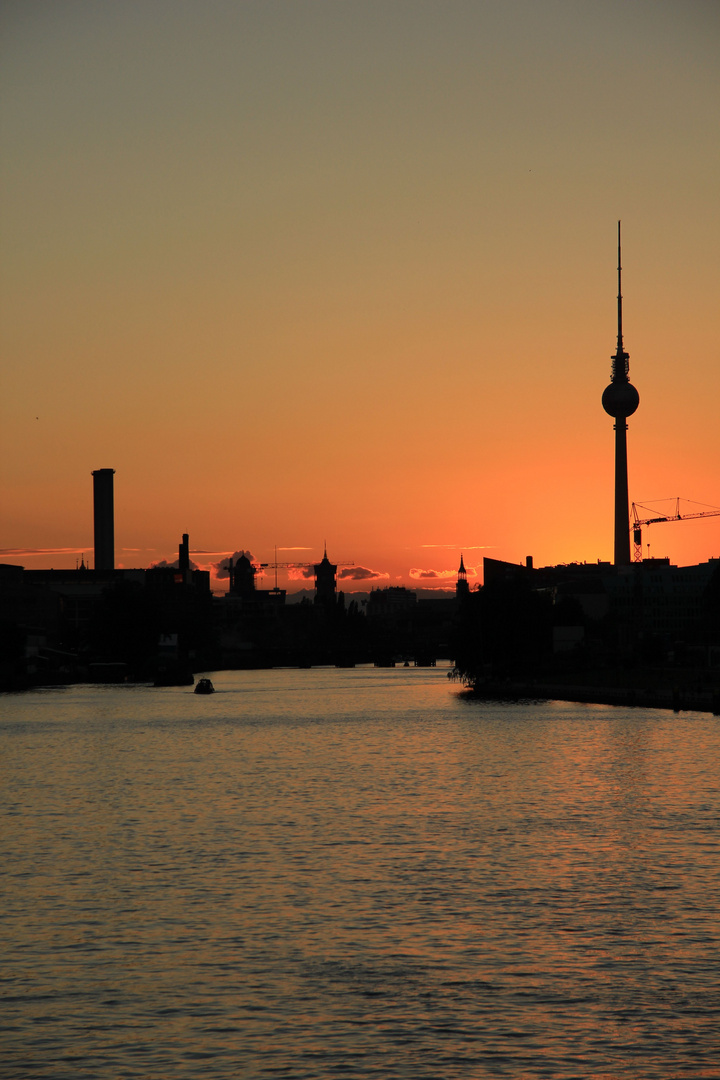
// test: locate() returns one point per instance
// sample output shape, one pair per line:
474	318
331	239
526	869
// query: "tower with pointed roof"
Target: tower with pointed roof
461	585
620	399
325	581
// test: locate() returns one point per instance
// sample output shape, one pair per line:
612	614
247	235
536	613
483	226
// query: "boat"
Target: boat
204	686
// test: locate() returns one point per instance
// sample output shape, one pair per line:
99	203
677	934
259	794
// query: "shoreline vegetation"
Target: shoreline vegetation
688	689
679	699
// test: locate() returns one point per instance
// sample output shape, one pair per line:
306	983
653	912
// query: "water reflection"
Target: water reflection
356	872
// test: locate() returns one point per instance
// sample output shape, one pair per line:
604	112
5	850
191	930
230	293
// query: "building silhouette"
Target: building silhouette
242	577
104	624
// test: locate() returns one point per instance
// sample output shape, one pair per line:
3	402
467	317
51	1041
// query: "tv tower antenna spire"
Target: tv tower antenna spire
620	365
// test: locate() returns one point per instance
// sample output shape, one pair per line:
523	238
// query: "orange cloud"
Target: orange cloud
161	564
423	575
300	573
361	573
460	547
45	551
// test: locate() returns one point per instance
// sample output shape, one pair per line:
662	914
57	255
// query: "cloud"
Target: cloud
459	547
294	549
46	551
349	573
300	573
220	569
361	573
424	575
163	564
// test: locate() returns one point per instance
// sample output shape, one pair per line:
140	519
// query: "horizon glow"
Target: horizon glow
302	271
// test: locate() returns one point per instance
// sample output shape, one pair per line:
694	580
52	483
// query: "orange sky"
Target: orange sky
305	271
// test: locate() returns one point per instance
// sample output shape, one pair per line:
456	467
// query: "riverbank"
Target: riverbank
679	699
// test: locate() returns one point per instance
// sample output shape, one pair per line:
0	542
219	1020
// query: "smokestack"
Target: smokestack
104	518
184	554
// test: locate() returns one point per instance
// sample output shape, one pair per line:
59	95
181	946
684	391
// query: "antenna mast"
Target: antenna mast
620	365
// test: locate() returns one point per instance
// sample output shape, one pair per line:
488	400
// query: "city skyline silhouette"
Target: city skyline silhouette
348	272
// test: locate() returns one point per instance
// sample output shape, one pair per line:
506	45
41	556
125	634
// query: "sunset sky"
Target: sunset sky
302	270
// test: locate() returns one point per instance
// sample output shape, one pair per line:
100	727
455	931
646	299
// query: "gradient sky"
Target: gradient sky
303	271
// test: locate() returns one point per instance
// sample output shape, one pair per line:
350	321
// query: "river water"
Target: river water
355	873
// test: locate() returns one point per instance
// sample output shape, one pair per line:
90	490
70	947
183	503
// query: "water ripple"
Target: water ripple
356	873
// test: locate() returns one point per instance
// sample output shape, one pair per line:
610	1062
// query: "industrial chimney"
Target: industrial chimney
184	554
104	517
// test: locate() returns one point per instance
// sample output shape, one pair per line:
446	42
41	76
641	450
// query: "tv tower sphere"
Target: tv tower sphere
620	399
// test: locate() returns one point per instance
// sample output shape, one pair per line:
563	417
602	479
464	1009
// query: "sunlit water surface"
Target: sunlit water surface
338	873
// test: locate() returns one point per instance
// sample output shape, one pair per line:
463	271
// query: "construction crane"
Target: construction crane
296	566
638	522
286	566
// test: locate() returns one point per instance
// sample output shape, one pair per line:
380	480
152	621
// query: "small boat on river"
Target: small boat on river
204	686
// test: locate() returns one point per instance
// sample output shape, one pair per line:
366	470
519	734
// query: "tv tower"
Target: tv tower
620	399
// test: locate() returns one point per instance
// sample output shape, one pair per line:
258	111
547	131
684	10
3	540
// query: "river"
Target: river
355	873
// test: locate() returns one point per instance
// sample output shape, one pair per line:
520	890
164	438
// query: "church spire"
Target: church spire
461	585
